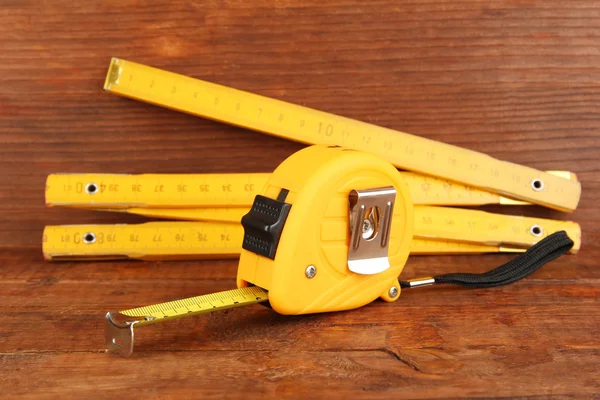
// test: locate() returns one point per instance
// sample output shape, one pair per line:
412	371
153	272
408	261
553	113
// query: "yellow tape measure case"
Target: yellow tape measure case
308	272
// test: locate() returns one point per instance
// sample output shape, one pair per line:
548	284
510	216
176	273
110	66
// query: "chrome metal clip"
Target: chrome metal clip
371	212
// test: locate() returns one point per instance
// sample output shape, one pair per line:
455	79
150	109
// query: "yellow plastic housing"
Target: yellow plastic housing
317	233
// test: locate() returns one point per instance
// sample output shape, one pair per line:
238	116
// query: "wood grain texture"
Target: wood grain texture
518	79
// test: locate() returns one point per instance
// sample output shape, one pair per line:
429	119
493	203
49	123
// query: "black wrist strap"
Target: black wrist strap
546	250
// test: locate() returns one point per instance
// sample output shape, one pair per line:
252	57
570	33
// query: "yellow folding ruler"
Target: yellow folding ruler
306	125
218	201
118	191
330	230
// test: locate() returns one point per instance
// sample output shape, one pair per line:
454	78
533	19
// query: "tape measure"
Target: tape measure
309	126
117	191
119	326
437	230
297	250
330	231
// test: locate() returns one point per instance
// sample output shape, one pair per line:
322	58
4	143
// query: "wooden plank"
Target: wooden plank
374	374
517	79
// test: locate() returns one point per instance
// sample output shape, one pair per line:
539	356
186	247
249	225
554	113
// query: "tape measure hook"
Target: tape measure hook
118	332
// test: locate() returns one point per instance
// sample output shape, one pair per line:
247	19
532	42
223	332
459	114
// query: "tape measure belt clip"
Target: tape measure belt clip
370	215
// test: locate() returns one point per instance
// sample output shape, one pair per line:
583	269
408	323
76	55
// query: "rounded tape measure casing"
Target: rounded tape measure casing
317	182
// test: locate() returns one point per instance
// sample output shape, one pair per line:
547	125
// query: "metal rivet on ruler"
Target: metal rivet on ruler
536	230
537	185
89	238
91	188
393	292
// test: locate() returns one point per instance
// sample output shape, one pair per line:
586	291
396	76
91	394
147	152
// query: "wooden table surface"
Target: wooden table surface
518	79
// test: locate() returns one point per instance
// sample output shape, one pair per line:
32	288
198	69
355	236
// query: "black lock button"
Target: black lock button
264	223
